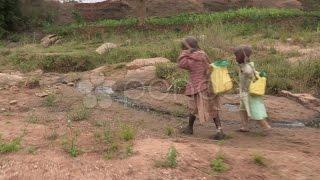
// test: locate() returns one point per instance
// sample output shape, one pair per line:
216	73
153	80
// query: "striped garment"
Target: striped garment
197	63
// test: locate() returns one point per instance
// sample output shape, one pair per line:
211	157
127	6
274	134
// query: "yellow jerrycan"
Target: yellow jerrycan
220	78
258	87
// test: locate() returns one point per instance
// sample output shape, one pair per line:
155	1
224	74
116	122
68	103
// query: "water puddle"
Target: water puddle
231	107
286	124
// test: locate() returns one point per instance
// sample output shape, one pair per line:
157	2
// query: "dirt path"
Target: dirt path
290	153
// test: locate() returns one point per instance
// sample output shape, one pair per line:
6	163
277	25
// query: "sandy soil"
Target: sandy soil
291	153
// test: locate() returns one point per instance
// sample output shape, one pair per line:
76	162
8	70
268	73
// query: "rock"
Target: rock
13	102
11	79
144	75
42	94
71	78
71	84
3	109
105	48
138	63
50	39
305	99
136	78
123	85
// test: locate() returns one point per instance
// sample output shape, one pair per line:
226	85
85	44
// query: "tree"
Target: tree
10	15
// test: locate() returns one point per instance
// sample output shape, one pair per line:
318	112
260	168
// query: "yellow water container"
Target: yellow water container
258	87
220	78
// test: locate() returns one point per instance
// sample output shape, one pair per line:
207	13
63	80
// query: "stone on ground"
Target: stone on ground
138	63
105	48
305	99
50	39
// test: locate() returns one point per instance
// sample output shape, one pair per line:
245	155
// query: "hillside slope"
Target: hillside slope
124	8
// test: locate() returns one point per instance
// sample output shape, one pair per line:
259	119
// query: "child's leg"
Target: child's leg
219	135
189	128
265	125
244	121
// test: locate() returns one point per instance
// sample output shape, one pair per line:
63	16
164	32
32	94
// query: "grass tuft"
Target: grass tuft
127	132
79	113
9	147
171	159
218	164
259	159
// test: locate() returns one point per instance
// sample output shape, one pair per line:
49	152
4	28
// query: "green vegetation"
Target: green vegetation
78	113
127	132
218	33
50	100
252	14
12	146
70	144
10	16
169	131
259	160
170	160
218	164
175	76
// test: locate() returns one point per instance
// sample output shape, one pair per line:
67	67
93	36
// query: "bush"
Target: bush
10	15
177	77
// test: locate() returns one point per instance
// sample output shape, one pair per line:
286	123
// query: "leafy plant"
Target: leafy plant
218	164
171	159
127	132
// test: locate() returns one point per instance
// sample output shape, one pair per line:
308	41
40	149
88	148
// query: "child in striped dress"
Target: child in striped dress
203	102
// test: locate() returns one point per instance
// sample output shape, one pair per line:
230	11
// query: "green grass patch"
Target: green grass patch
127	132
259	159
50	100
218	164
170	160
78	113
11	146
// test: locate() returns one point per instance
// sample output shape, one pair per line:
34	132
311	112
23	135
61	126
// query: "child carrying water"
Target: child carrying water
203	102
250	106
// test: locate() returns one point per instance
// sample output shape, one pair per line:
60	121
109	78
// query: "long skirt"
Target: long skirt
205	105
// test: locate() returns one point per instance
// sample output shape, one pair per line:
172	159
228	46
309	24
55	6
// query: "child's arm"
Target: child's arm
184	61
